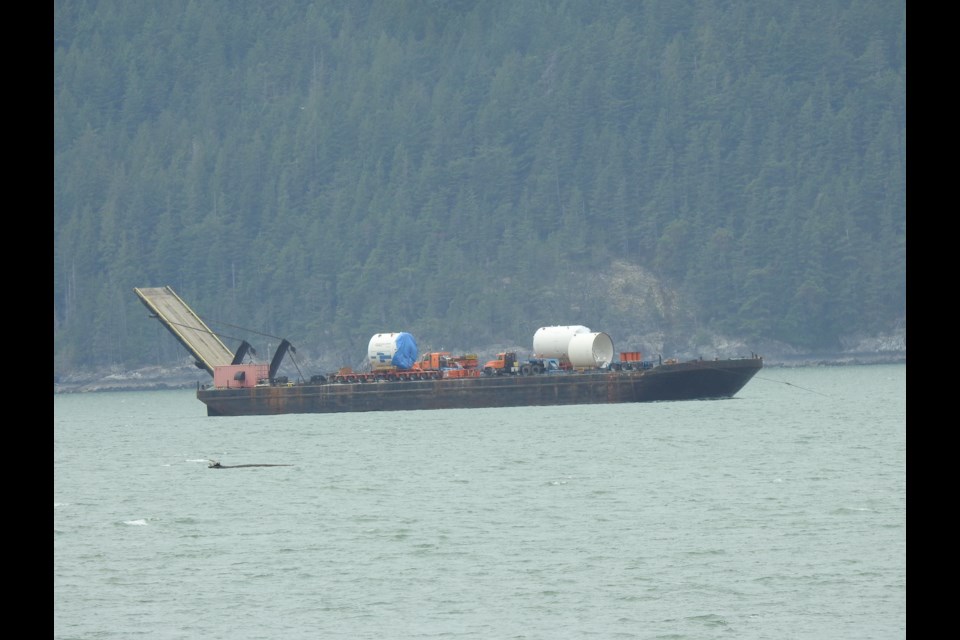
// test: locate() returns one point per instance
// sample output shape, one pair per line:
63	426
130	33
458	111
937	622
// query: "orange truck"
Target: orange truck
507	363
435	365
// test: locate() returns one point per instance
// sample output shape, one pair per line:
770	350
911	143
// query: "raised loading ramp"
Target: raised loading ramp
186	326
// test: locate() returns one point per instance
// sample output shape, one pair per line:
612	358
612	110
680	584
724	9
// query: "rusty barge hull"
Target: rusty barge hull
694	380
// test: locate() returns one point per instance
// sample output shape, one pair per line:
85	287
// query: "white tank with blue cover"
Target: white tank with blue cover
391	350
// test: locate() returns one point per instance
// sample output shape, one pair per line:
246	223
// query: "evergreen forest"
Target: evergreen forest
666	171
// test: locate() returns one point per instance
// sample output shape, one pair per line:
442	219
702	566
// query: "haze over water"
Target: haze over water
778	514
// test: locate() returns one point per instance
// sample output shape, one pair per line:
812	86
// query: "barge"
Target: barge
571	365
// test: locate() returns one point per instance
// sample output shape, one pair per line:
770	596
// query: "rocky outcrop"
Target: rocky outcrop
119	379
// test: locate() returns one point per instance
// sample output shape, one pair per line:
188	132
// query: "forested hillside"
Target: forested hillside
468	171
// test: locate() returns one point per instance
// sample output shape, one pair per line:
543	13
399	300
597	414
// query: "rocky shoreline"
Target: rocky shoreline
187	376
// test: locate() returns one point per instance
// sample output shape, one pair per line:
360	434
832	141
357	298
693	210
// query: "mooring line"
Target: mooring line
790	384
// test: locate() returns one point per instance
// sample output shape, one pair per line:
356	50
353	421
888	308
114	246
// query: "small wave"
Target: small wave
710	619
845	510
60	504
137	523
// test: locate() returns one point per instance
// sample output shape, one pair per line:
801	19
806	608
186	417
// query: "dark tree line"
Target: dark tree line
470	170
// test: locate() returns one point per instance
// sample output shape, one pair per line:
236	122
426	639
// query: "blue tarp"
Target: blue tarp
406	353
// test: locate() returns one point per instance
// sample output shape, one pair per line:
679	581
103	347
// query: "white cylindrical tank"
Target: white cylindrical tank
552	342
590	350
391	350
